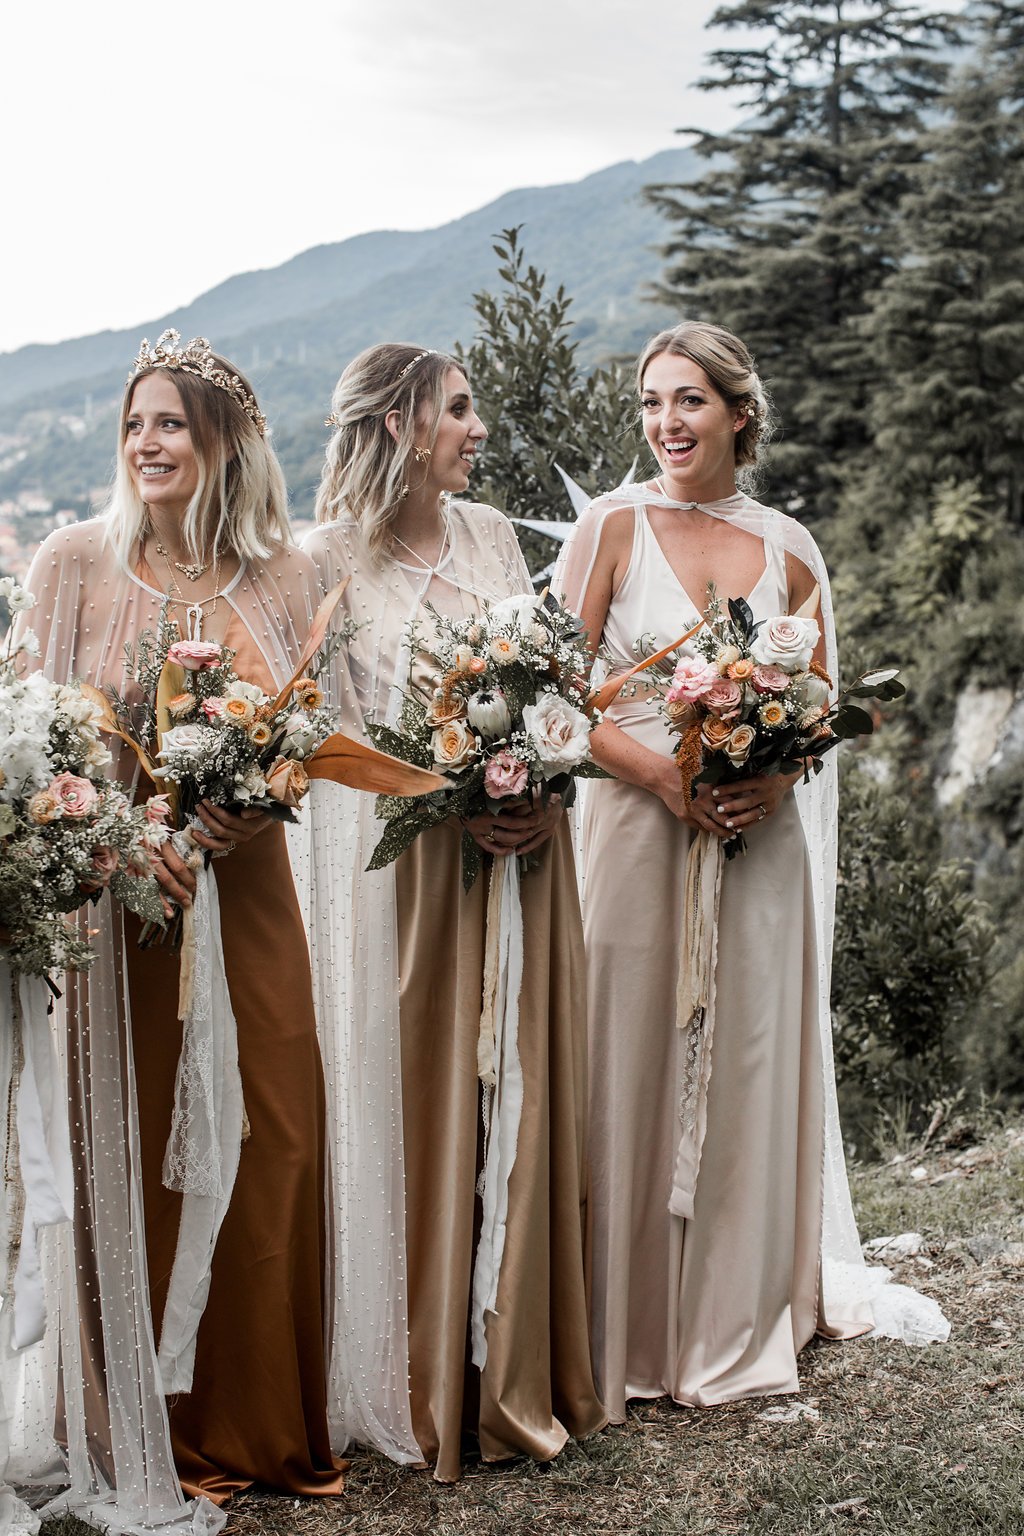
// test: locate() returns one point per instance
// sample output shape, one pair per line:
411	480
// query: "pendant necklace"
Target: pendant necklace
193	610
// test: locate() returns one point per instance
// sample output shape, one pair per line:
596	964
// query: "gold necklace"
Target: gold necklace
189	569
193	606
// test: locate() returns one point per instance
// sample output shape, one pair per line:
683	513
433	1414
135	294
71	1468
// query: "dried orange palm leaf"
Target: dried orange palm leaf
108	723
314	640
609	691
170	685
351	762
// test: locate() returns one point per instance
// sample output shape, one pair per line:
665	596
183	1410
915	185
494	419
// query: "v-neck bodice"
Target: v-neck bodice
652	601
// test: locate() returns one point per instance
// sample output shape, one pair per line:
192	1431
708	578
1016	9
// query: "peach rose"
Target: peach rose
441	713
737	748
454	745
681	712
287	782
714	733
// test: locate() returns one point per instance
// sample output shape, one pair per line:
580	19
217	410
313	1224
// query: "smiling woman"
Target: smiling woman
193	1366
399	956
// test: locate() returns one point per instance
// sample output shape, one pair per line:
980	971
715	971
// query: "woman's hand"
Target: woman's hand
223	830
519	827
743	804
176	880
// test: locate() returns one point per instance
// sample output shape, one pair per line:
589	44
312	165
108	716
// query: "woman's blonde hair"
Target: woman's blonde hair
240	504
731	372
366	471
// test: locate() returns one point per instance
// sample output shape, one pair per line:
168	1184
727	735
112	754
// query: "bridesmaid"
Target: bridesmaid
393	522
197	521
714	1304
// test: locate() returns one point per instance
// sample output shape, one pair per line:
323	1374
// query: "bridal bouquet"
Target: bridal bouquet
752	700
507	712
67	832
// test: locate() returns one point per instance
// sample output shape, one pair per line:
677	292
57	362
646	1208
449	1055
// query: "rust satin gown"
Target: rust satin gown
257	1410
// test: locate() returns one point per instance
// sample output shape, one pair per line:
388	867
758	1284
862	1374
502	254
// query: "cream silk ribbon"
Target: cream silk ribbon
207	1123
501	1077
695	1010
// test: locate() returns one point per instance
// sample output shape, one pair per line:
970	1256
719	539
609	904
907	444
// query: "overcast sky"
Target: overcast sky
152	150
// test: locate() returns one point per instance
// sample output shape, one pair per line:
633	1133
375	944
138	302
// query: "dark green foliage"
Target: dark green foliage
540	407
795	222
947	326
912	953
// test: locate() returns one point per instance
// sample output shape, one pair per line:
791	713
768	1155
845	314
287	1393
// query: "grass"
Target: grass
892	1441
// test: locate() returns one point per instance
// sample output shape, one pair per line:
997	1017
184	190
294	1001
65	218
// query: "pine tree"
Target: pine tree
793	227
947	328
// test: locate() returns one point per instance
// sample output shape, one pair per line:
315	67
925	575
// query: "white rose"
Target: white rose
559	733
786	642
184	739
514	610
488	713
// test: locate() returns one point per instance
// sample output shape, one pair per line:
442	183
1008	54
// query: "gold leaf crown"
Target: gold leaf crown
196	356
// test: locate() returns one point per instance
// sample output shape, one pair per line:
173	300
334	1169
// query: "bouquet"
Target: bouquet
752	700
67	832
508	712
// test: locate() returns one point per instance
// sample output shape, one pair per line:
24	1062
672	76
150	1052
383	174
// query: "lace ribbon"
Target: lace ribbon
501	1077
202	1153
695	1010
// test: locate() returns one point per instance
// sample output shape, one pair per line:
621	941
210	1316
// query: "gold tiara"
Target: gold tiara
196	356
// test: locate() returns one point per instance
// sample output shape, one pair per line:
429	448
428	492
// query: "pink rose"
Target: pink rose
786	642
74	796
105	862
723	698
691	680
504	775
195	655
212	708
770	679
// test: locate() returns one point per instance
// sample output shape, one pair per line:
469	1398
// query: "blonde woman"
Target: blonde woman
197	522
393	523
715	1253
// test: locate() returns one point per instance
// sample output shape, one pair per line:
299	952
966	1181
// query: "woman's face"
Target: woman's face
158	446
691	430
460	433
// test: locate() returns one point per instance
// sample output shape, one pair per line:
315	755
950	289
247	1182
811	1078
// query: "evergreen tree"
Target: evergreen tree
793	227
947	328
539	406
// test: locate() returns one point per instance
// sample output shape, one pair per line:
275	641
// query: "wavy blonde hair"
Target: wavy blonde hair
731	372
366	470
240	504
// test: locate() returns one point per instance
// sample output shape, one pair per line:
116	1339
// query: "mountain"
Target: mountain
293	327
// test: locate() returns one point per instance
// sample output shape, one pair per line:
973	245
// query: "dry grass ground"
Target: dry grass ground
889	1440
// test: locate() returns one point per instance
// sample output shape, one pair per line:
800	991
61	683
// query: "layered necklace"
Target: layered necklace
193	606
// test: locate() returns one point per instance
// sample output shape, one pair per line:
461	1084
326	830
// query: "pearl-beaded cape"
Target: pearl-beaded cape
88	608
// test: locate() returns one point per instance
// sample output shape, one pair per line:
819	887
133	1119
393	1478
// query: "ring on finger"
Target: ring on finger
762	811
